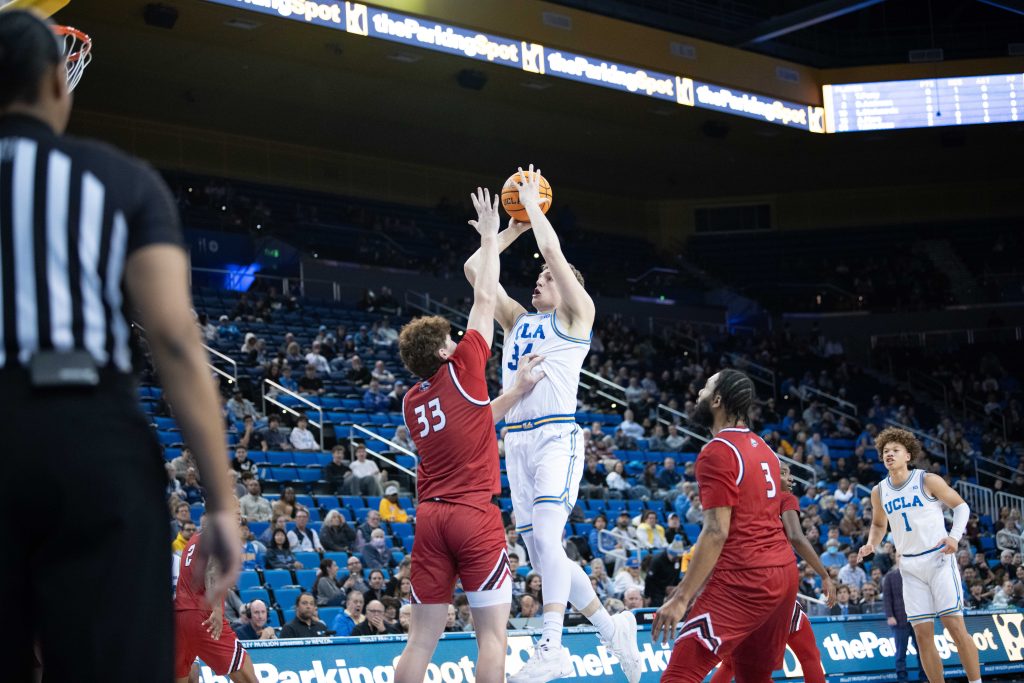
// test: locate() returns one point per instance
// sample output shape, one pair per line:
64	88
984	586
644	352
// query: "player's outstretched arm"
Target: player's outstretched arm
879	525
936	486
577	304
526	379
706	552
485	290
156	277
803	547
506	309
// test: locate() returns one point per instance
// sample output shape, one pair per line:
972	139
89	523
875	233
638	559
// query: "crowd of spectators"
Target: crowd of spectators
644	459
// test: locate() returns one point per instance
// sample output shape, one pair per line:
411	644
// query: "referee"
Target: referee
87	234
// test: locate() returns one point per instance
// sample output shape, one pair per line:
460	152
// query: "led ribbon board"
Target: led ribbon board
534	58
923	103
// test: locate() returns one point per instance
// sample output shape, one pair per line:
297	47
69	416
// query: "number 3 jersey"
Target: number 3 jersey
915	518
540	334
449	418
737	469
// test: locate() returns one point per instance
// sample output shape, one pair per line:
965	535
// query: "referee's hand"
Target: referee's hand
219	542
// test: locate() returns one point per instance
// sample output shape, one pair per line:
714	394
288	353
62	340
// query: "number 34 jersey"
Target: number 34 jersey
541	334
449	419
737	469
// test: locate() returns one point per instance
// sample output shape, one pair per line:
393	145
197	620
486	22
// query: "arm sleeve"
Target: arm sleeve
961	513
717	471
154	218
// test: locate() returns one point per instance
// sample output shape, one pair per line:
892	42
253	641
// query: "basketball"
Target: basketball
510	197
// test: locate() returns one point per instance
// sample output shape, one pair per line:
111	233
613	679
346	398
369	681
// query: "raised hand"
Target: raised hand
529	187
486	212
518	226
864	551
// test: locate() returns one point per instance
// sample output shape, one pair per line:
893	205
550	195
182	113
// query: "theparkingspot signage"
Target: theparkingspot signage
853	649
385	24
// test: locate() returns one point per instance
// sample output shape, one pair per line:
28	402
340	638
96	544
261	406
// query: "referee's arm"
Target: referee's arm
156	280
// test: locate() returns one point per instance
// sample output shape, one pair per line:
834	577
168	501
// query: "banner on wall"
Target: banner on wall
853	649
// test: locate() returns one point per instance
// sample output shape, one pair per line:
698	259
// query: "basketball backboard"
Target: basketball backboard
44	7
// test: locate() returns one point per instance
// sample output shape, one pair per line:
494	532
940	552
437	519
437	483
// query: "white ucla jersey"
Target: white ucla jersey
539	333
915	518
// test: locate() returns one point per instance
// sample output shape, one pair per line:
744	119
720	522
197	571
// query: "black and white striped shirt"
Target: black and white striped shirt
71	212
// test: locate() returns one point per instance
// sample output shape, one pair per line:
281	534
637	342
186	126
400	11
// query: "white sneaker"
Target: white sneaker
623	645
546	664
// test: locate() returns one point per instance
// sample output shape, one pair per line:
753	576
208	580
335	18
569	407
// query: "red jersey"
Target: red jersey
787	501
186	597
449	418
737	469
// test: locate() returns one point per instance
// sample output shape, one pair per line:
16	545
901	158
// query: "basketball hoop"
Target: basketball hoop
77	52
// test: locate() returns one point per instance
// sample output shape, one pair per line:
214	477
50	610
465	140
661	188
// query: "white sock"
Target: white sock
551	635
531	551
976	680
603	622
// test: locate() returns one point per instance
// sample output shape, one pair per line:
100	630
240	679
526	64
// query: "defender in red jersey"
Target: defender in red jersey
746	607
801	637
459	533
201	630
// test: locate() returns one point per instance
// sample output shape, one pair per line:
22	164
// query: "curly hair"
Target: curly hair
419	342
574	269
902	437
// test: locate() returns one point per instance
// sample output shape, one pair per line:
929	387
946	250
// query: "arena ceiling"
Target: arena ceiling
833	33
293	83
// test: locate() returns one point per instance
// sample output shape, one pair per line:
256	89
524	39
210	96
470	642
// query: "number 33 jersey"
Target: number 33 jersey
541	334
449	419
737	469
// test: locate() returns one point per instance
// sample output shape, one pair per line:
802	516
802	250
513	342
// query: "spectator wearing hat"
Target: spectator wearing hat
395	397
375	400
629	577
239	406
390	510
664	573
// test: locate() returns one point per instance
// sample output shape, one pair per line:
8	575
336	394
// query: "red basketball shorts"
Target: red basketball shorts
746	615
457	541
191	640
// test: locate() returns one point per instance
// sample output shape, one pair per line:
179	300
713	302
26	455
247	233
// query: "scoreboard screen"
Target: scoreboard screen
922	103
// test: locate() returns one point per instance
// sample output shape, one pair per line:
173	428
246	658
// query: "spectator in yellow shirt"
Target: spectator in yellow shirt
390	510
182	539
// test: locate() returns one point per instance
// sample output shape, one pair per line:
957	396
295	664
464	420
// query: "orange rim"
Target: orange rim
83	38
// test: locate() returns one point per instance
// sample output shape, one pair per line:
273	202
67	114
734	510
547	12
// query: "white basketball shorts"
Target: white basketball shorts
931	586
545	465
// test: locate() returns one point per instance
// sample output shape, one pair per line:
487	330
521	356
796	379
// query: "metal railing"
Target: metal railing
755	371
272	398
231	377
994	469
1008	500
981	500
392	446
840	405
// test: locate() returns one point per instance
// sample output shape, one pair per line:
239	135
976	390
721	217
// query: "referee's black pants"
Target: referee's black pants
86	568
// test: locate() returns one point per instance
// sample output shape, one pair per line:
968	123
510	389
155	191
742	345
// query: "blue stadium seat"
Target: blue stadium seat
274	619
581	529
279	458
307	459
407	543
309	561
289	613
305	499
250	594
329	614
249	579
169	438
327	501
197	510
308	474
171	453
354	502
339	557
286	597
401	528
276	578
165	423
361	513
692	531
397	556
306	577
373	502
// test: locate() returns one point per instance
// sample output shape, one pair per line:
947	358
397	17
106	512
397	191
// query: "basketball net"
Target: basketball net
77	52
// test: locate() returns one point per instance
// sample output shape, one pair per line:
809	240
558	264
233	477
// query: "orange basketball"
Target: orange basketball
510	197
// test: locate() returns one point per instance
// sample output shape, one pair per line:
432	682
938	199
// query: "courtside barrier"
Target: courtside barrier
854	649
